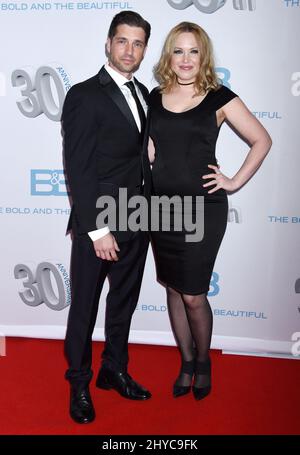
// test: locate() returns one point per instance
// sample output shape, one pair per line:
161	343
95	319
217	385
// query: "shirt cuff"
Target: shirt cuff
98	233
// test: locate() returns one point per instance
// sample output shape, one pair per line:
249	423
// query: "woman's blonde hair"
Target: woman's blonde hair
206	79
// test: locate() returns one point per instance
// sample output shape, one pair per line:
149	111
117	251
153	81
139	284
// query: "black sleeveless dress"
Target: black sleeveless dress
184	146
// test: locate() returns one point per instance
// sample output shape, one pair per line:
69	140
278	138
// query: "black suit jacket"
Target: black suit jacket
102	147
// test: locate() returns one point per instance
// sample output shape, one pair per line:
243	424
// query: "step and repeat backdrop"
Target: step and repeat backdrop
45	48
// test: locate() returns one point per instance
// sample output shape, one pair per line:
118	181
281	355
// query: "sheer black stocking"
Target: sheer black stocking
183	336
200	319
191	321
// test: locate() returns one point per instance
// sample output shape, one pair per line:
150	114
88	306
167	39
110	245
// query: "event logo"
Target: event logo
234	214
43	90
211	6
244	4
282	219
38	285
292	3
214	287
152	308
13	6
296	86
48	182
224	75
267	115
63	6
239	313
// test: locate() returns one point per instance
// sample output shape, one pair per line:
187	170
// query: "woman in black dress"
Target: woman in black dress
186	112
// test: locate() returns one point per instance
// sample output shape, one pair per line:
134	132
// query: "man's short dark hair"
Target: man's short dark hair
133	20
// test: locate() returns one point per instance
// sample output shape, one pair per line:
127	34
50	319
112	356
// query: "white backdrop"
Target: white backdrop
48	46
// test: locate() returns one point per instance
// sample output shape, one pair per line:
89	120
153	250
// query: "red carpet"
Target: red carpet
251	395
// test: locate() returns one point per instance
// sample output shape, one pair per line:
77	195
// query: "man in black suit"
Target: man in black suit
103	122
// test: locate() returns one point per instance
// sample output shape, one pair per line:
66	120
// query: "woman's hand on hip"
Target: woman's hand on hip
219	180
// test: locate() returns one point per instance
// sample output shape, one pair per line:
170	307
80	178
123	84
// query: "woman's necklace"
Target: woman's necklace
189	83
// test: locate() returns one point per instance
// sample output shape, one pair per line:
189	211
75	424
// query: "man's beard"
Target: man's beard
125	68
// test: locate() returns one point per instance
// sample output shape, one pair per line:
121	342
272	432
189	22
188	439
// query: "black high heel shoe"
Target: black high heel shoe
187	367
203	371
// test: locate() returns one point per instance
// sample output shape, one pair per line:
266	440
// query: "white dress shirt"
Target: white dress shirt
120	81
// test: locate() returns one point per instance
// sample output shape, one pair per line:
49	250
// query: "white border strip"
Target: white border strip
228	345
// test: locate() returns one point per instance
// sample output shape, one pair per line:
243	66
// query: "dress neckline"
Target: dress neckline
188	110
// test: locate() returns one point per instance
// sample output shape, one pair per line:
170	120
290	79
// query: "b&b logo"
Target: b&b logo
224	75
214	286
48	182
211	6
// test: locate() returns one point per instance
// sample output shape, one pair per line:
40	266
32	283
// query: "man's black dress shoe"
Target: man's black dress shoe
122	383
81	406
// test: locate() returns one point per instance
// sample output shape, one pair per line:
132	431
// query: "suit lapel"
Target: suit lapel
113	91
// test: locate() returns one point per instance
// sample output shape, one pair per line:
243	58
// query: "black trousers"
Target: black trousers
88	274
